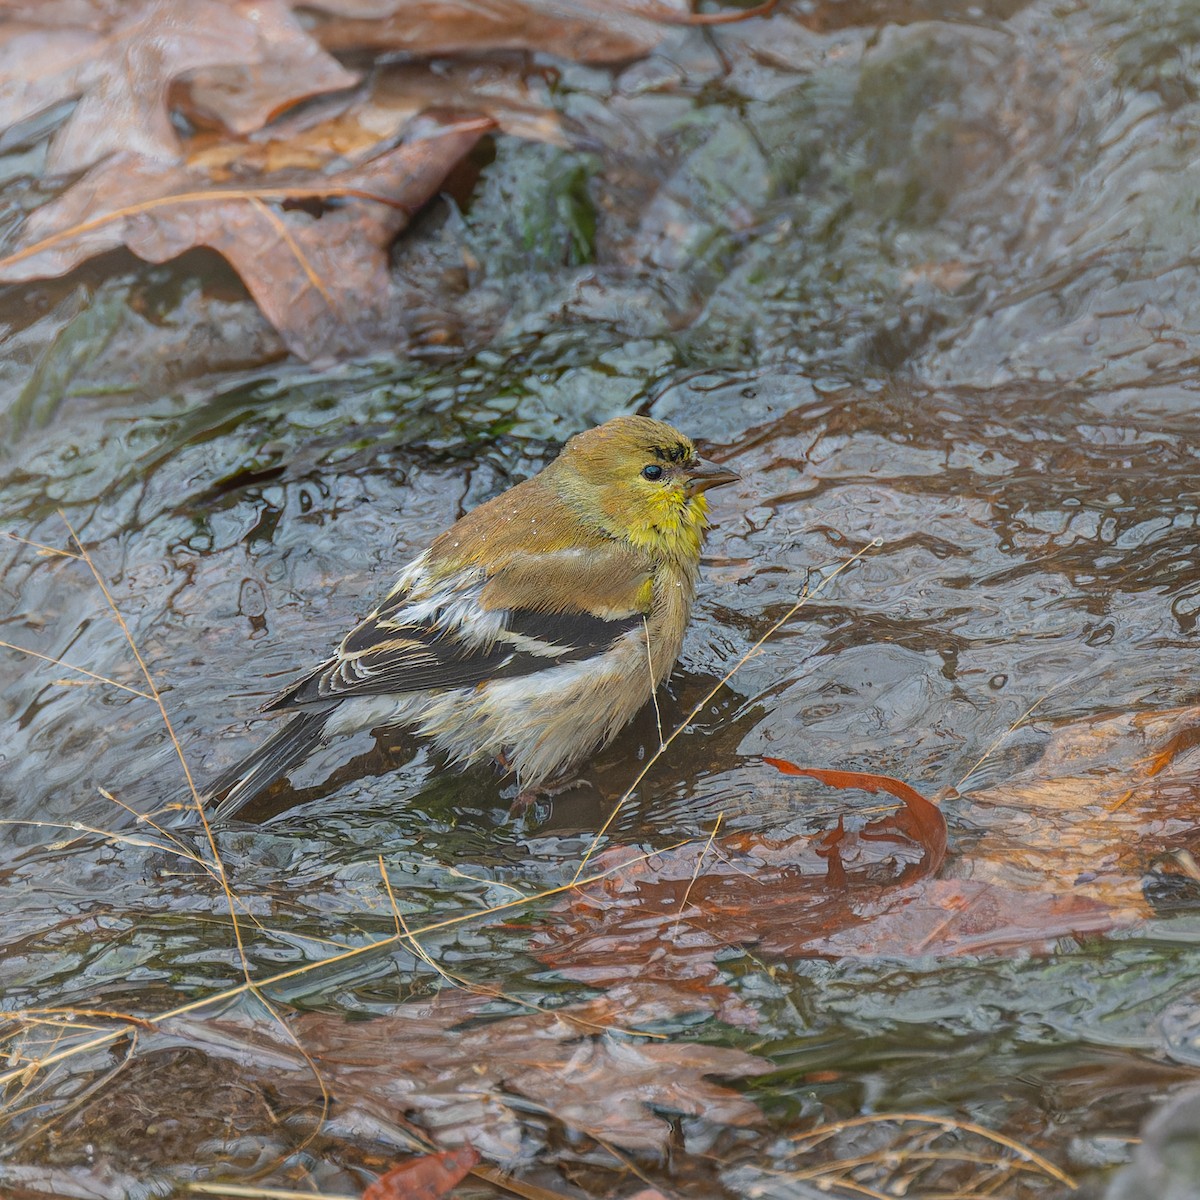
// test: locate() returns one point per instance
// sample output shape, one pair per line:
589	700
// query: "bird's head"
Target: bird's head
643	481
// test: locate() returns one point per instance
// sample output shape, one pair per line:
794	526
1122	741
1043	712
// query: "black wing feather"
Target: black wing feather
378	658
578	634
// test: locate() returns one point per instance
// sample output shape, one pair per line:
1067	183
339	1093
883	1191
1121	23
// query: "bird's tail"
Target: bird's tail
254	774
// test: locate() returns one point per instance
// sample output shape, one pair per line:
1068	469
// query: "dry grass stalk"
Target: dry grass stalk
480	989
833	1174
65	1020
805	596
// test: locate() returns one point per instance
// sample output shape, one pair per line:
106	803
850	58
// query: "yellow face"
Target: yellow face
648	482
664	515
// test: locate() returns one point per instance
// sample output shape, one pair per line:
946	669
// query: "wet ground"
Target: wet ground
920	274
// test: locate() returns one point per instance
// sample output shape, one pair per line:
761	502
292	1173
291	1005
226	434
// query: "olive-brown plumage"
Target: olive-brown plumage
533	629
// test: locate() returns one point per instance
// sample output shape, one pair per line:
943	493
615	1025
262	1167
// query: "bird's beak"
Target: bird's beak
702	475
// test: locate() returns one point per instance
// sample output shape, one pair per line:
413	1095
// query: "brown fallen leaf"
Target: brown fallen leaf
437	1063
1103	799
289	66
427	1178
443	1065
321	280
919	820
350	125
119	63
537	1087
951	917
677	916
582	30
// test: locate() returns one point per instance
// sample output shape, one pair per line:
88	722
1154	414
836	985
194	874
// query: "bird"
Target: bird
531	631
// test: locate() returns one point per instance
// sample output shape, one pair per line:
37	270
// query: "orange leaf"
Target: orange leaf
928	824
427	1178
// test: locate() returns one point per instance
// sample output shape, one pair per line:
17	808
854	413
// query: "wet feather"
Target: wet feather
533	629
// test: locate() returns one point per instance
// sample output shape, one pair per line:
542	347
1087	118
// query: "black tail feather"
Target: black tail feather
255	773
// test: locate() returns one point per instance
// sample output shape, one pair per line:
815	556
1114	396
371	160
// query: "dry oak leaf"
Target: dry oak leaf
581	30
119	61
350	125
322	281
677	915
445	1066
290	66
433	1062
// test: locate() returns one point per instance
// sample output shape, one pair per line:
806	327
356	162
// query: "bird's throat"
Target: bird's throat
672	529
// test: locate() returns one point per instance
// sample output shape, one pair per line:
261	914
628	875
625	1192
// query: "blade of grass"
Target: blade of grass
805	597
480	989
375	947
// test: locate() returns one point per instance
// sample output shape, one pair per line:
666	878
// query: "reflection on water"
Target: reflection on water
918	276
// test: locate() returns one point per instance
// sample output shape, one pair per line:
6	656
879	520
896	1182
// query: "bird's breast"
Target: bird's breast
674	593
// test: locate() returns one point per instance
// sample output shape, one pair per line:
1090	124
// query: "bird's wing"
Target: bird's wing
536	611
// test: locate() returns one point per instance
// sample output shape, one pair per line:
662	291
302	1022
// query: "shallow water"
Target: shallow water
919	276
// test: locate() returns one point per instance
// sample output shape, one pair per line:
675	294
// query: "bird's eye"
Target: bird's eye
652	471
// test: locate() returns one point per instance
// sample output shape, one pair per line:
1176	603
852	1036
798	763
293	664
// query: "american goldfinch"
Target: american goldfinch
532	630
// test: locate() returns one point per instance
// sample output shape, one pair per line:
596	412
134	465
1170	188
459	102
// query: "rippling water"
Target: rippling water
919	276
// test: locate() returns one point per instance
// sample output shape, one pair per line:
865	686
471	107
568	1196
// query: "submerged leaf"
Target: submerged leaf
870	892
444	1065
1106	798
926	824
322	281
290	67
428	1178
435	1063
